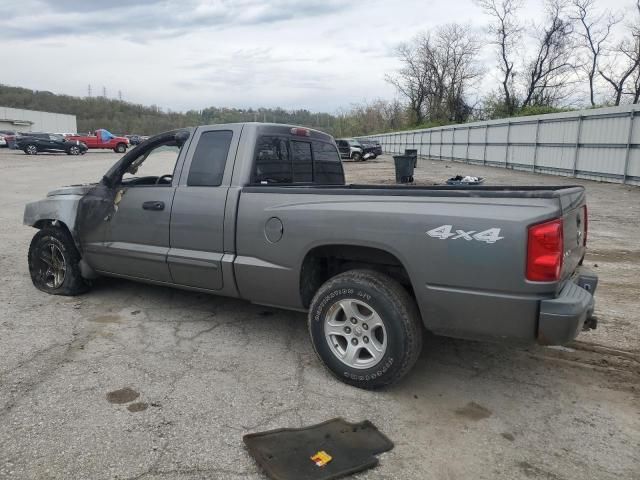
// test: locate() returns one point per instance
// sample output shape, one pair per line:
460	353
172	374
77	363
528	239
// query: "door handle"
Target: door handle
154	205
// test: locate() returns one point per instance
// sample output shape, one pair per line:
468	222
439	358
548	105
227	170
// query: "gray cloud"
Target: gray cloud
143	20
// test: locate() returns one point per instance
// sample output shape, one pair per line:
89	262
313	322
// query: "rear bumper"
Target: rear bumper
562	318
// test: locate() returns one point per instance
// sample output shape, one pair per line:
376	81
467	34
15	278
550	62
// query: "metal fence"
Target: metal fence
600	144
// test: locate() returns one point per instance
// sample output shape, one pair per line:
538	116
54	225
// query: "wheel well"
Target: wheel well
47	222
322	263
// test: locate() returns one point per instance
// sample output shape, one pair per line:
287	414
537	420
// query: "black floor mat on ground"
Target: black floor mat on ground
285	453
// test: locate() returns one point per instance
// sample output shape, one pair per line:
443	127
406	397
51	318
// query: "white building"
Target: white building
34	121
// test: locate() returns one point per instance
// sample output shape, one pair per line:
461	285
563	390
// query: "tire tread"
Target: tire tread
402	302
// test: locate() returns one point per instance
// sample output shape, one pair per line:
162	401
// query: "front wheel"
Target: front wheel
365	328
54	263
74	150
120	148
357	156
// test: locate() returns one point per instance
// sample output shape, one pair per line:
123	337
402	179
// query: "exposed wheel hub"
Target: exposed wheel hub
355	333
53	266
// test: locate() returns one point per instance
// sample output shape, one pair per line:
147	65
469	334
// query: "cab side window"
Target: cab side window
210	159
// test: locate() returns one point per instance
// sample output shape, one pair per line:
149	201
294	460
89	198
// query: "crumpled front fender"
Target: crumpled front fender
61	208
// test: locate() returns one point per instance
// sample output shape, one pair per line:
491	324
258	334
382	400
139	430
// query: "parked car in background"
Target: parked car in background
369	146
3	142
133	139
10	137
350	148
136	139
46	142
375	144
103	139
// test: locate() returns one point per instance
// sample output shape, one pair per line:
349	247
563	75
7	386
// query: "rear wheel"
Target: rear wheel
54	263
120	148
31	149
74	150
365	328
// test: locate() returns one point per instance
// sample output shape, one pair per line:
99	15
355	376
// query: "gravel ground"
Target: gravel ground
137	381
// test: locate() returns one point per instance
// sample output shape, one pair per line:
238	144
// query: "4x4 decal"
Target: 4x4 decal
444	232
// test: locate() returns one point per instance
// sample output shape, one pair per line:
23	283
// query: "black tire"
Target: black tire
120	148
357	156
394	306
45	241
30	149
73	150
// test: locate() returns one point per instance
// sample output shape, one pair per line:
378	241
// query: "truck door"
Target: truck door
197	218
133	238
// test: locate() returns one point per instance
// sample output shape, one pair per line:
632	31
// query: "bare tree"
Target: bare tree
412	78
505	31
624	60
593	31
634	90
438	70
454	63
550	70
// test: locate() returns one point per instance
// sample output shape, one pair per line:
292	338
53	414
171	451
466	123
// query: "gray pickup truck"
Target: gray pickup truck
262	212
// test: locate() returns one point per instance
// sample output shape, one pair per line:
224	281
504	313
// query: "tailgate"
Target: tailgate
574	216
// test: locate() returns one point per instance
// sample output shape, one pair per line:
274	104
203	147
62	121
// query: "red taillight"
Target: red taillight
301	132
544	251
586	224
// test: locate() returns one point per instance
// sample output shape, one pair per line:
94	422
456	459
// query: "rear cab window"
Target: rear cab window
284	160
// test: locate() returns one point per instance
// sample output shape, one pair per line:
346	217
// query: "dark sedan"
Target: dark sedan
34	143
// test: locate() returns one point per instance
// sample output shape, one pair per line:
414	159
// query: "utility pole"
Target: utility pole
104	92
89	91
120	95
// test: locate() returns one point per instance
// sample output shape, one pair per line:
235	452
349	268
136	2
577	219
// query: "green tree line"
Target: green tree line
129	118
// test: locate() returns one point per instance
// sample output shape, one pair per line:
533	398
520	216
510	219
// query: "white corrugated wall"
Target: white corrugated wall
598	144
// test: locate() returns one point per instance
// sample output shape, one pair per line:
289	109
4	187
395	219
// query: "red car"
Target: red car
102	138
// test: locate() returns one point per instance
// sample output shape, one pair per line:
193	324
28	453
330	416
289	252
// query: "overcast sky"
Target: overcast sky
316	54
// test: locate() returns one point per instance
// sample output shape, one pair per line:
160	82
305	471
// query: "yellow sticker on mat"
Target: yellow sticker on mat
321	458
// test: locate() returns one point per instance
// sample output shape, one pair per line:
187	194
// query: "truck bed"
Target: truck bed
465	286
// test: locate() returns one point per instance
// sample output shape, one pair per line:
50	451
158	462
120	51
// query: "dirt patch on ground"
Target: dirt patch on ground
473	411
123	395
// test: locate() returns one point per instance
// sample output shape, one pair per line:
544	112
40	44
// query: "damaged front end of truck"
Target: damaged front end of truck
81	210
